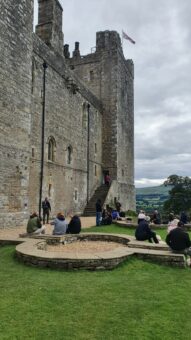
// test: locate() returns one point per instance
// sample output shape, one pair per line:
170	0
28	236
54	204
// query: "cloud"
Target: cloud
162	58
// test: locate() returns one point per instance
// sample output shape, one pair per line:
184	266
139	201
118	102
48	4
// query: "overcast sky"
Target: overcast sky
162	60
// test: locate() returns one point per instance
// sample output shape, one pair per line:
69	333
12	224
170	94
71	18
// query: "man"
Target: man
118	206
46	210
98	212
143	231
178	240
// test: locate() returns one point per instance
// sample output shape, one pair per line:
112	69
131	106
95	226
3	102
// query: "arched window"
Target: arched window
69	154
51	149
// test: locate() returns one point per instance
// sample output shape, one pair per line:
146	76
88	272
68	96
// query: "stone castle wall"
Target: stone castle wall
88	114
15	108
111	78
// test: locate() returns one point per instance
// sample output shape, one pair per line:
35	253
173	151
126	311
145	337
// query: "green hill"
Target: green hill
152	198
160	189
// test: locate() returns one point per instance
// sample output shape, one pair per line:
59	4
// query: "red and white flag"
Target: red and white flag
125	36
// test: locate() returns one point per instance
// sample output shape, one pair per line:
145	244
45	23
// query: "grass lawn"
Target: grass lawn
138	300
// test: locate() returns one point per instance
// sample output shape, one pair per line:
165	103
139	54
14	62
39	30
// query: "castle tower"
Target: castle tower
111	78
49	27
117	96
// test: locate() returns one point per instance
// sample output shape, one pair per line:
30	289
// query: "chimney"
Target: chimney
66	51
49	27
76	53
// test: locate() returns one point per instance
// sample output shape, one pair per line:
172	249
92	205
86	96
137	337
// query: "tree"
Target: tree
180	194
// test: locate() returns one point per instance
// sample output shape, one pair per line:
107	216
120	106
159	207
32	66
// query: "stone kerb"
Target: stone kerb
33	252
131	225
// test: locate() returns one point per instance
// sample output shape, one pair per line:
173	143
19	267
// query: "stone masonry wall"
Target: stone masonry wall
67	123
16	21
88	115
125	135
110	77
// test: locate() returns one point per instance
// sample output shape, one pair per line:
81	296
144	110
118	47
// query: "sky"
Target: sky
162	61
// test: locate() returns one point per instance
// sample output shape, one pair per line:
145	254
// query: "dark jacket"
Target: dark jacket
184	218
46	205
98	207
178	239
74	227
142	230
33	224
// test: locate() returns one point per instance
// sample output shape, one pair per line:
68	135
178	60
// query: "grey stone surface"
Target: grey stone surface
33	252
97	88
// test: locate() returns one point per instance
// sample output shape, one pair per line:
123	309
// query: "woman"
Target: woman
172	224
60	225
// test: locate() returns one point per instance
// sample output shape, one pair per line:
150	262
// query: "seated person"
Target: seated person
141	212
74	226
184	217
178	240
60	225
156	217
34	225
143	231
107	219
172	224
115	215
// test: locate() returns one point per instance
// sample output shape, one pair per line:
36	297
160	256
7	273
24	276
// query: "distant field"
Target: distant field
151	198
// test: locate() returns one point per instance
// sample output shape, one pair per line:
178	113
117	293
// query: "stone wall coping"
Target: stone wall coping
155	252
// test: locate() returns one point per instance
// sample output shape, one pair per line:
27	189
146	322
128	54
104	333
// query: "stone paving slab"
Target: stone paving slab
13	233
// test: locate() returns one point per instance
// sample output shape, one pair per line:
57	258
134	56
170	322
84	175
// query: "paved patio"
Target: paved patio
13	233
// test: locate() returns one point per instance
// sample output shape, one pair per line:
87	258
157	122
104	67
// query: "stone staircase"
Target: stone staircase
100	193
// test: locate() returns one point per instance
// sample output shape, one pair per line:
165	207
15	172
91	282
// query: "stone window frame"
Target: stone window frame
76	195
69	153
33	152
51	149
91	75
84	115
95	170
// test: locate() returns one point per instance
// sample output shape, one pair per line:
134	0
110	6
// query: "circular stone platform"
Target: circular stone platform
87	251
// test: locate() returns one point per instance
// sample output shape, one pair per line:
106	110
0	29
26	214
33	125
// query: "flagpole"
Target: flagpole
122	38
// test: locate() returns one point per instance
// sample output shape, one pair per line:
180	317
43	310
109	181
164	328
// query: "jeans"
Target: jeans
98	218
45	216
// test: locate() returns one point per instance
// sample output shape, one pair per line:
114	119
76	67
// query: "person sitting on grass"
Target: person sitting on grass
60	225
74	226
178	240
143	231
34	225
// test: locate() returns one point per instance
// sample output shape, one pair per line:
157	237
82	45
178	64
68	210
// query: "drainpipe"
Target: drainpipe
88	151
42	137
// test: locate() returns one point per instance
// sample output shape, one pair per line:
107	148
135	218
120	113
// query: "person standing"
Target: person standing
118	206
98	212
46	210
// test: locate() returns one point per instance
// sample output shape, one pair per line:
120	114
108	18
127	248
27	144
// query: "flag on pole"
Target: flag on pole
125	36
